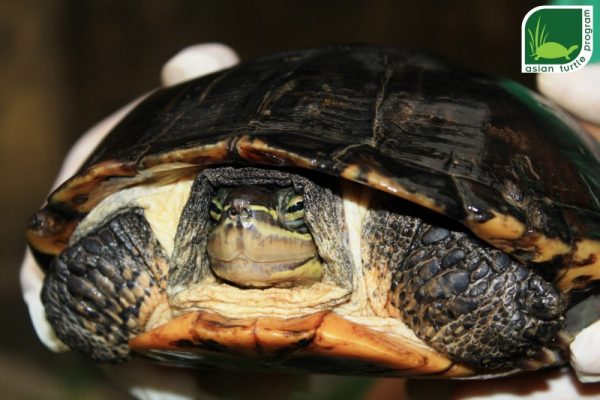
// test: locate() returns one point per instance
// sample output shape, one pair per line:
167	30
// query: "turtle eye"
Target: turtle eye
293	214
215	209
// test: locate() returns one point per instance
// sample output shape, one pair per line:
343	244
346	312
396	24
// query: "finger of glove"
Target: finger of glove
576	91
198	60
585	357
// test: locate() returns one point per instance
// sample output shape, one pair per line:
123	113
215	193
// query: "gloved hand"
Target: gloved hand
579	93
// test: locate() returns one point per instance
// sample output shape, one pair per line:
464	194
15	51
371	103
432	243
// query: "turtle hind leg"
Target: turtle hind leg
97	290
474	302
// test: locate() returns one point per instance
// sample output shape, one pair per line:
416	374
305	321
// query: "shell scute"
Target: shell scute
482	150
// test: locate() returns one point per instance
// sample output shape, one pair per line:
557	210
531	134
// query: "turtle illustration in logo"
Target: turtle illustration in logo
540	48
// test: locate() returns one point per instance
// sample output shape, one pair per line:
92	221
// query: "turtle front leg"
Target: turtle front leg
460	295
100	290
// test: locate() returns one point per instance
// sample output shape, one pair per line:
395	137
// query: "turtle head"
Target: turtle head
260	238
572	48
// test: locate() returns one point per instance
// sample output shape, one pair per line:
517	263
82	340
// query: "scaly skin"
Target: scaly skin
463	297
98	290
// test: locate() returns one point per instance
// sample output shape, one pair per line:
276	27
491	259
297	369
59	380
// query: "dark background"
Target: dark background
65	64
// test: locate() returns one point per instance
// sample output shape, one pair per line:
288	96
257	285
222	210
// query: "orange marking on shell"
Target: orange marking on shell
80	194
585	267
77	191
508	233
545	248
587	251
52	236
250	337
340	338
257	151
581	262
498	229
322	334
277	335
382	182
200	155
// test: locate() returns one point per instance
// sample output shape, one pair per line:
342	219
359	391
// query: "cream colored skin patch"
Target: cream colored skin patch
162	204
356	201
233	302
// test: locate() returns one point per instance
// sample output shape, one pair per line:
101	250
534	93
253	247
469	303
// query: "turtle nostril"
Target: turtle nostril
241	211
245	213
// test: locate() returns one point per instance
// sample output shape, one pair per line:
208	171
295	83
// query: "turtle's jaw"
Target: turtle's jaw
249	273
248	247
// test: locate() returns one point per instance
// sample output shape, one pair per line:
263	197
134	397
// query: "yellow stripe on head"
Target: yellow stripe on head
215	208
272	212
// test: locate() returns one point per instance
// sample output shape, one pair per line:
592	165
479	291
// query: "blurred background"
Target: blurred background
65	64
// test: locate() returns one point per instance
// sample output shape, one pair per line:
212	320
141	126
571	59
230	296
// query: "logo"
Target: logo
556	39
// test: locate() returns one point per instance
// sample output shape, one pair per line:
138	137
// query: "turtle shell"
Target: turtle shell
484	151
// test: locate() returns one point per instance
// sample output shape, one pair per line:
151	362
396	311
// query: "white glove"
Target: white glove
579	93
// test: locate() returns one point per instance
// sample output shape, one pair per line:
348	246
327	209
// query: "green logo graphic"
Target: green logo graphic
557	38
541	48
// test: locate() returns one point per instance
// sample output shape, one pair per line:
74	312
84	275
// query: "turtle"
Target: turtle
346	210
551	50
